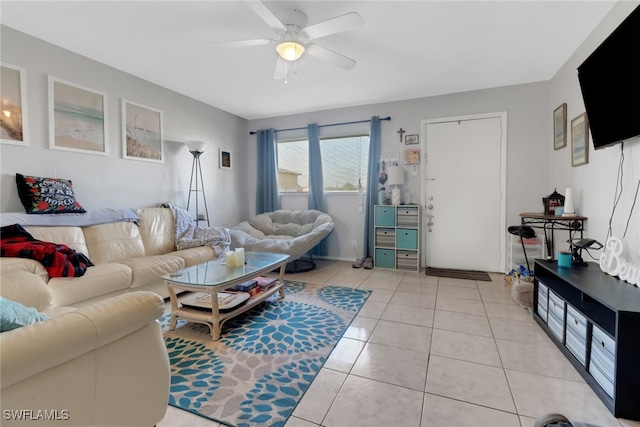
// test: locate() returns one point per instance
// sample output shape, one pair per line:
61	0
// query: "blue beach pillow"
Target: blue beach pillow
14	315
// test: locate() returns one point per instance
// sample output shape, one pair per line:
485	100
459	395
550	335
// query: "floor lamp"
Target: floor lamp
196	148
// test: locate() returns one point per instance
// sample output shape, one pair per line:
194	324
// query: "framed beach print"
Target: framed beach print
560	127
580	140
77	119
141	133
13	119
225	158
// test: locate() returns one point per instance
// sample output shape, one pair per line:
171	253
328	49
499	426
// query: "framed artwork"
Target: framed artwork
412	156
141	133
13	120
224	157
77	119
411	139
580	140
560	127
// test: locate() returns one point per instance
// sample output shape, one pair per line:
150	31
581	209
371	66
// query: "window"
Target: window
344	164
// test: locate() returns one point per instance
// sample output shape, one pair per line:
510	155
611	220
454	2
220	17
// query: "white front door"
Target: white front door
464	184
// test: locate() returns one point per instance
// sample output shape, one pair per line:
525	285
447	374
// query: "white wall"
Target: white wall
594	184
528	137
111	181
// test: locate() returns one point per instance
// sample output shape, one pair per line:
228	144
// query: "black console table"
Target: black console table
550	223
594	319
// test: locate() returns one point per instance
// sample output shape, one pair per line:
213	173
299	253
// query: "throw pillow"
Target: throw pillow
47	195
14	315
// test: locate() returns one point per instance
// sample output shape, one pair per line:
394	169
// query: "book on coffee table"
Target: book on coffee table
266	282
226	300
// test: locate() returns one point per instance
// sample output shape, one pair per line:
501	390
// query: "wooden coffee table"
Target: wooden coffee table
213	276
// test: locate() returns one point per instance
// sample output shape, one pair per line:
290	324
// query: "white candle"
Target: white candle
230	258
240	257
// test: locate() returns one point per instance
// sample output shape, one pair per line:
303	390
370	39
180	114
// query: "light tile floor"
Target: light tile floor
436	352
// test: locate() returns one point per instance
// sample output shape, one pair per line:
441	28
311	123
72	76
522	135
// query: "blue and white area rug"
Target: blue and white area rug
266	358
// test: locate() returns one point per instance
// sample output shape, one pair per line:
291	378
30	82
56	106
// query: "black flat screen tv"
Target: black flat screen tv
610	84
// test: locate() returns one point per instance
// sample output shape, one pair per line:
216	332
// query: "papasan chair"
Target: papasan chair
292	232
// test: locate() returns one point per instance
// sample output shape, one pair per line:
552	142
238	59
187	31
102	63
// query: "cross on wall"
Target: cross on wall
401	131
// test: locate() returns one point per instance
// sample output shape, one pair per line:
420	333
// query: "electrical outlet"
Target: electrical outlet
354	244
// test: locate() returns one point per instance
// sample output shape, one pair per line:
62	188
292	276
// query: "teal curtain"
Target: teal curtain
316	182
372	186
268	196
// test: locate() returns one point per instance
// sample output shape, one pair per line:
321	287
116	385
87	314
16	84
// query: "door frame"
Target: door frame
502	115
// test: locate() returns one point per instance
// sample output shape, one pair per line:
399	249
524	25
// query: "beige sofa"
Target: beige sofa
128	256
101	365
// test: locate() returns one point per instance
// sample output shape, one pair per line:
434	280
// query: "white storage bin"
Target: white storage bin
515	254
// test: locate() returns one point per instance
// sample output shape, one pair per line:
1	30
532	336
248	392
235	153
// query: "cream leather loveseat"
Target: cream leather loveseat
101	365
128	256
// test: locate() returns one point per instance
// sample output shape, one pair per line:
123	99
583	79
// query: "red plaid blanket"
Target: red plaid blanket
58	260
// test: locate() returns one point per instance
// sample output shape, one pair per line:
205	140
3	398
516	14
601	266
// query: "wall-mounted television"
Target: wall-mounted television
610	83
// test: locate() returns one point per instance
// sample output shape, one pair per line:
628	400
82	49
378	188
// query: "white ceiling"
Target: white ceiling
404	50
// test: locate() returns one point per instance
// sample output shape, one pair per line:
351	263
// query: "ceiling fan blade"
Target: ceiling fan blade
267	16
242	43
341	23
330	56
281	69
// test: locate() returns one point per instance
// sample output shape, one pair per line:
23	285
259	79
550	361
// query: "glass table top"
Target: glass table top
216	272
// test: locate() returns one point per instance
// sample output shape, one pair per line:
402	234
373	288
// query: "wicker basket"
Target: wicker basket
522	292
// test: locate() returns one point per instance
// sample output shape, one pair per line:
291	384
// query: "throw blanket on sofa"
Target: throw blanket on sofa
189	235
58	260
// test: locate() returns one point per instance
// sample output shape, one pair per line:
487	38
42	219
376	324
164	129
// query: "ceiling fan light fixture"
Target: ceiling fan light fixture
290	50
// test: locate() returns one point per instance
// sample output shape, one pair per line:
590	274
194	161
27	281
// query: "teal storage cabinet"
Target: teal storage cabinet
385	216
397	237
407	238
386	258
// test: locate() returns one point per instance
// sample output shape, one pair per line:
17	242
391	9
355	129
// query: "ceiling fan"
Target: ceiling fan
294	36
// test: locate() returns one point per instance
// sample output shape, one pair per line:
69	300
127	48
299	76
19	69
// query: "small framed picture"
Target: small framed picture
560	127
13	119
77	119
580	140
224	157
412	156
411	139
141	133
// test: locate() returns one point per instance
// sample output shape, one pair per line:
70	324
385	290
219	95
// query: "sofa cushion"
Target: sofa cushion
113	242
70	236
157	230
27	289
99	280
147	270
194	256
47	195
11	264
14	315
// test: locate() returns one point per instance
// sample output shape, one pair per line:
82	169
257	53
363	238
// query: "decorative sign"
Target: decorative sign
613	262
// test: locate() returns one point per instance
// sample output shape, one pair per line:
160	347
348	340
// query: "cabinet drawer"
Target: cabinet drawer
543	301
385	216
556	325
408	216
576	334
385	258
556	305
406	238
386	237
602	362
407	260
576	322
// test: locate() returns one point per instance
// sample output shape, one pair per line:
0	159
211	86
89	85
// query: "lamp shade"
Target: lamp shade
290	50
395	176
196	145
